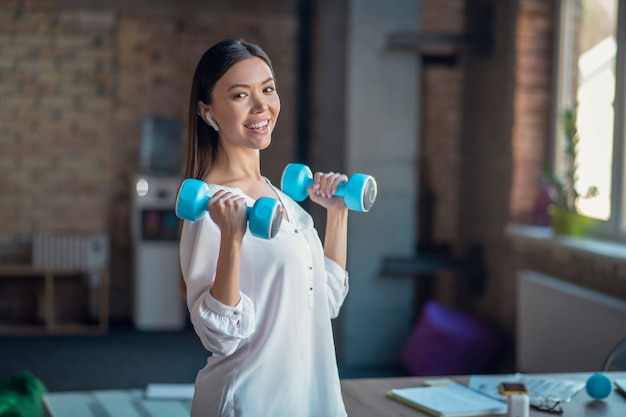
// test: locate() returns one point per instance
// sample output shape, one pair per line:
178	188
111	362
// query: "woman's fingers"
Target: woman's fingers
325	187
228	211
325	184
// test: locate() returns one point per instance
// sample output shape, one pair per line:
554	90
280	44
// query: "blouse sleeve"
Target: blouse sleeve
337	286
221	328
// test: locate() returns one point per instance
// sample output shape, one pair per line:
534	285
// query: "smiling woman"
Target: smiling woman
262	307
244	106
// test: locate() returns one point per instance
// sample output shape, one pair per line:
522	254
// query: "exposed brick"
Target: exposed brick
75	84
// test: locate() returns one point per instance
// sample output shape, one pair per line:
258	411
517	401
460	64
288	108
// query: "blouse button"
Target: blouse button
295	230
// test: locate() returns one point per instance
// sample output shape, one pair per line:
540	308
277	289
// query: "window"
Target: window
592	79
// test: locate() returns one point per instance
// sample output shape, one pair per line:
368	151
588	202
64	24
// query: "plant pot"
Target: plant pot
567	222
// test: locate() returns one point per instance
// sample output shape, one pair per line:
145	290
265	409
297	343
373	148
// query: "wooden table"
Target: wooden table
362	397
367	398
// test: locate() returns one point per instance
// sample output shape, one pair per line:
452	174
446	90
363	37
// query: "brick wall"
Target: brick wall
485	130
76	78
55	119
532	133
440	135
487	149
534	118
601	272
440	158
535	121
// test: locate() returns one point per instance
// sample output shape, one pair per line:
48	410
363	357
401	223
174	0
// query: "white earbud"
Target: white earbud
212	122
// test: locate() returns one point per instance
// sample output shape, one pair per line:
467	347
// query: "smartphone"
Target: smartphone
509	388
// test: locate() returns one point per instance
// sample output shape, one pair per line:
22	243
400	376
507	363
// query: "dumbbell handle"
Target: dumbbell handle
341	187
264	218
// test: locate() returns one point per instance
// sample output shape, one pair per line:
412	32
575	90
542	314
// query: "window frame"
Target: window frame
615	227
617	222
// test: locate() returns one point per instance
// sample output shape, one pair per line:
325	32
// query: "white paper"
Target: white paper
538	386
170	391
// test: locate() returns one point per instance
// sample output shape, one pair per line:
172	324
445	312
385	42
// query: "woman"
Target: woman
263	308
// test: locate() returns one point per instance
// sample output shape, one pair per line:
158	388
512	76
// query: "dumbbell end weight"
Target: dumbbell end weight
296	180
359	193
192	199
265	218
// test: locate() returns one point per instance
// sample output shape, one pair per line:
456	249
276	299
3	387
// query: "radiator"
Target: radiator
71	251
563	327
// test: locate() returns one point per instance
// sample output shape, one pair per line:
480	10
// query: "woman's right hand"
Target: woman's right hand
229	212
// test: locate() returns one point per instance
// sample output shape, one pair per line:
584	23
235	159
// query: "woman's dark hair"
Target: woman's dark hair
203	141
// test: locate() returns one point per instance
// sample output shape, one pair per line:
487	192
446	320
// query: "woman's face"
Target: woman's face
245	105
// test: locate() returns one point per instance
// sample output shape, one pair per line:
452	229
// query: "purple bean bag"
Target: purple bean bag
445	341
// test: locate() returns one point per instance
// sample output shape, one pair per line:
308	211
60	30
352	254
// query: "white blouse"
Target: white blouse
273	353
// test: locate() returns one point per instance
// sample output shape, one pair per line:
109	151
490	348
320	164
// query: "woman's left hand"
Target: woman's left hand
324	188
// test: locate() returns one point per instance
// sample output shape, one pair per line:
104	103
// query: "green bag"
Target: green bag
21	395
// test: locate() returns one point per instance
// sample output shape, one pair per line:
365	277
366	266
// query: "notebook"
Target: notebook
454	400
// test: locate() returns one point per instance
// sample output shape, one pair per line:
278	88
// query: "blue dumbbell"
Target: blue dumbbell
264	218
359	193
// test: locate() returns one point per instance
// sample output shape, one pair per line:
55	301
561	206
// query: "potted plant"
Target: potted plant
564	215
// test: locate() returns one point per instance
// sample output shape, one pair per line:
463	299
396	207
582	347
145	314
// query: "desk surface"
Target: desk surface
362	397
367	398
